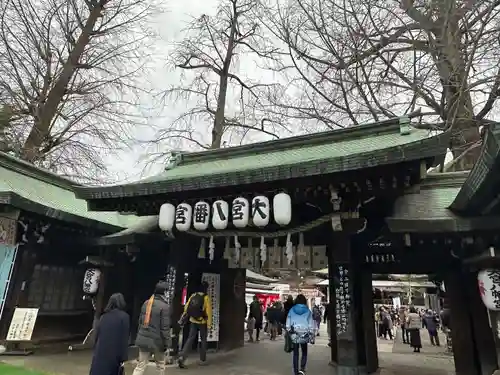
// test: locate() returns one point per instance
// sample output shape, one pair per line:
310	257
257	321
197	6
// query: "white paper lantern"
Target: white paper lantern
220	217
240	212
91	280
183	217
260	211
489	288
282	209
201	215
166	218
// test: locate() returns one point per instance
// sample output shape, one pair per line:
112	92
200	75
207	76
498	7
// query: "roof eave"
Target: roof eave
20	166
442	224
479	193
431	147
15	200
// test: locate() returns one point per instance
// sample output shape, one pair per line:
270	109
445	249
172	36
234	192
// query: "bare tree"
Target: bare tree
354	61
68	73
223	98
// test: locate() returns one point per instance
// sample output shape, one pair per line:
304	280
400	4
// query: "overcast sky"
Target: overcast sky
128	166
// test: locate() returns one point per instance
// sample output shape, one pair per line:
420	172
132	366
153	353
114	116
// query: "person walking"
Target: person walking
273	319
199	311
317	317
301	327
386	324
431	322
326	319
414	322
444	317
403	315
153	336
286	307
255	313
112	339
279	307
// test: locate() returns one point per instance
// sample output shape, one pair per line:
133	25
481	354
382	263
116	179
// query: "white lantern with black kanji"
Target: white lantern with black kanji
166	218
282	209
183	217
91	281
240	212
201	215
489	288
220	214
260	211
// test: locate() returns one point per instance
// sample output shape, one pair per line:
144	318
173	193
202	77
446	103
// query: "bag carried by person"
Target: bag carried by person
250	324
288	343
196	308
183	320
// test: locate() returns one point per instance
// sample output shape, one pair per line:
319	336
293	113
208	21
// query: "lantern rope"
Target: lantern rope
280	233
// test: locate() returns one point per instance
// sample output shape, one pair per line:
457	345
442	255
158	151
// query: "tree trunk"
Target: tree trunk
465	146
47	109
453	71
220	113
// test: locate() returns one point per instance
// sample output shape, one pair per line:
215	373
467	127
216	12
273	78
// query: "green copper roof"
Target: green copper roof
23	183
315	154
425	208
479	194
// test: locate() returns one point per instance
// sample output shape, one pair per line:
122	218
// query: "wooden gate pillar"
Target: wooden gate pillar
472	337
482	331
332	314
349	323
368	325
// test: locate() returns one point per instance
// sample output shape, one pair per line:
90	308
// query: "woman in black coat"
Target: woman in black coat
112	337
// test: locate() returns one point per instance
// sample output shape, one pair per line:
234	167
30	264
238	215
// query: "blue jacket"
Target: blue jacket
300	325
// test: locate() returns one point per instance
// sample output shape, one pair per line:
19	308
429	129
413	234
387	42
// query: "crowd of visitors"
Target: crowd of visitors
293	319
412	320
153	336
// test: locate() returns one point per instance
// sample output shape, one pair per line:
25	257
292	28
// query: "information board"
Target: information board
22	324
213	281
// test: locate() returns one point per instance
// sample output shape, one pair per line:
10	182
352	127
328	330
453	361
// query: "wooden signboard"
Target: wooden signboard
213	292
22	324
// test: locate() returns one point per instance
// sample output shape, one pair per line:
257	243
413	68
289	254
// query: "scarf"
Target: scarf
149	307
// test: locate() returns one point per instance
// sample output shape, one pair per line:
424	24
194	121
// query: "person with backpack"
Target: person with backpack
199	311
300	327
153	336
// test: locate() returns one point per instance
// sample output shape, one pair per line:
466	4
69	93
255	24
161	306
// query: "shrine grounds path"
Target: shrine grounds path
265	358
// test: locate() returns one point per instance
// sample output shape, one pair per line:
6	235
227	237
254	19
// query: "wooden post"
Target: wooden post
350	337
466	360
232	308
481	329
181	254
331	301
368	326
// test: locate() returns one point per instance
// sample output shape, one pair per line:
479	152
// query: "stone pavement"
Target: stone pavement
263	358
427	348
